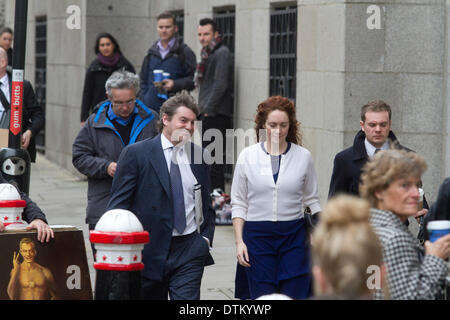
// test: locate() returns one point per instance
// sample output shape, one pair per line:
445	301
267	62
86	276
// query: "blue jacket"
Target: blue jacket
142	185
98	144
180	62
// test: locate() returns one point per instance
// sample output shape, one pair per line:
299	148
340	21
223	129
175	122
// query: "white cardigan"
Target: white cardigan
256	197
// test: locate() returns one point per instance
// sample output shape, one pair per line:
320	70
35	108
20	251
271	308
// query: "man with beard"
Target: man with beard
215	81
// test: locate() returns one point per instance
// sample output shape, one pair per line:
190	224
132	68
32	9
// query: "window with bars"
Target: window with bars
179	16
40	73
225	20
283	51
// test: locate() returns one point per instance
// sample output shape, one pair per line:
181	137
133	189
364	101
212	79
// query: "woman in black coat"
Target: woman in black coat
109	59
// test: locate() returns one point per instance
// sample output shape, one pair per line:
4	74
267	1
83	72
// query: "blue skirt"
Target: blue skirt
279	258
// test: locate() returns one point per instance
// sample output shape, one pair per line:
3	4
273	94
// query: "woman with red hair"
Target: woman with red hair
273	181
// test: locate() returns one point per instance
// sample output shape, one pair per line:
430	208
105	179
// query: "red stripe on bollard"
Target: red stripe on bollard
13	203
119	267
119	237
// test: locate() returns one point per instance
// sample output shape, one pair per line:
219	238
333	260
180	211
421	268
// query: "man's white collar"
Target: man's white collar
370	149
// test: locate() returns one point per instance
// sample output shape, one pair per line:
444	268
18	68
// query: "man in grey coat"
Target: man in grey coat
215	81
119	121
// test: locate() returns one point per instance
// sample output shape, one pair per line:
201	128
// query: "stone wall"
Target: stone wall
341	64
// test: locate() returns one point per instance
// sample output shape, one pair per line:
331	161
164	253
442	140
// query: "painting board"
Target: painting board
64	257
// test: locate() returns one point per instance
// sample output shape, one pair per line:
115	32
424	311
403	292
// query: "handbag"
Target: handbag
311	219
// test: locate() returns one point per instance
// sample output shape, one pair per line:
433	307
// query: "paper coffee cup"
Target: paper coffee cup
438	228
420	203
158	75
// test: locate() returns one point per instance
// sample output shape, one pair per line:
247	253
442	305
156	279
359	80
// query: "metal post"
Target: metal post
15	162
18	63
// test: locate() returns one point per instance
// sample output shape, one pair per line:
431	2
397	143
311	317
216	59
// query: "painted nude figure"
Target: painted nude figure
29	280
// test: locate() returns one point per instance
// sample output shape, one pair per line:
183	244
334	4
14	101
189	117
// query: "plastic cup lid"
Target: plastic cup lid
421	193
158	71
438	225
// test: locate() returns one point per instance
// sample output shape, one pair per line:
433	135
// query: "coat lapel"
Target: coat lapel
158	161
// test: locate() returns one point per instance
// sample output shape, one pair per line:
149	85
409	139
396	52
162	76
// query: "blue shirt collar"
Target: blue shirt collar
165	51
123	122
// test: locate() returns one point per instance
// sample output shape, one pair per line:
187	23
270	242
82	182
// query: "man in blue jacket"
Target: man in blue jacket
171	55
164	181
120	121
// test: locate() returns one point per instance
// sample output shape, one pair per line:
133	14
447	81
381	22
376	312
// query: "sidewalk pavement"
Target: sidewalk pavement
63	196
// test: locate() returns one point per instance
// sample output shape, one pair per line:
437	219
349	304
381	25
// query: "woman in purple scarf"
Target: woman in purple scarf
109	59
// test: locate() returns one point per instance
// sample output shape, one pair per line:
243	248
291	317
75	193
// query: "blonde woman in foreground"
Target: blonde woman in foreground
390	183
347	254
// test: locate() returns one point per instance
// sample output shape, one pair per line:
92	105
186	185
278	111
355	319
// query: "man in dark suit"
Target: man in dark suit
165	182
375	135
32	114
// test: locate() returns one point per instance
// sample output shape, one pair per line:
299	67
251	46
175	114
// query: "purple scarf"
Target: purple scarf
108	61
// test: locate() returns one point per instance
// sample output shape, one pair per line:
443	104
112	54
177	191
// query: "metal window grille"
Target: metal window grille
179	16
225	19
2	13
283	51
41	73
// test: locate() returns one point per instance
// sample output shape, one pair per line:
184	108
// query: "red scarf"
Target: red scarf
204	54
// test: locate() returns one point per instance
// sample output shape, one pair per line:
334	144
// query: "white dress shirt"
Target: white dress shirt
188	181
370	149
5	88
256	197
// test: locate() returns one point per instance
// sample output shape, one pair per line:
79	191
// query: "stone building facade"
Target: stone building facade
346	53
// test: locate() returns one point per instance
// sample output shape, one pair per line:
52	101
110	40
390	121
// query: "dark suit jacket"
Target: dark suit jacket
440	210
348	164
32	115
141	184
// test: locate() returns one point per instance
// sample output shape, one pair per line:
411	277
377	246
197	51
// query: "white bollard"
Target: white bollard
119	239
11	207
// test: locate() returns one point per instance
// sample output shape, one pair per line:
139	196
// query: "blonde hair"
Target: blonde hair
387	166
27	241
345	245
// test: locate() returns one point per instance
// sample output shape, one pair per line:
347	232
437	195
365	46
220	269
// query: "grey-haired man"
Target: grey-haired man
119	121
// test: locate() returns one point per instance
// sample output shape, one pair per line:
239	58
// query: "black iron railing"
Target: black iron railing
283	51
40	84
179	16
225	19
